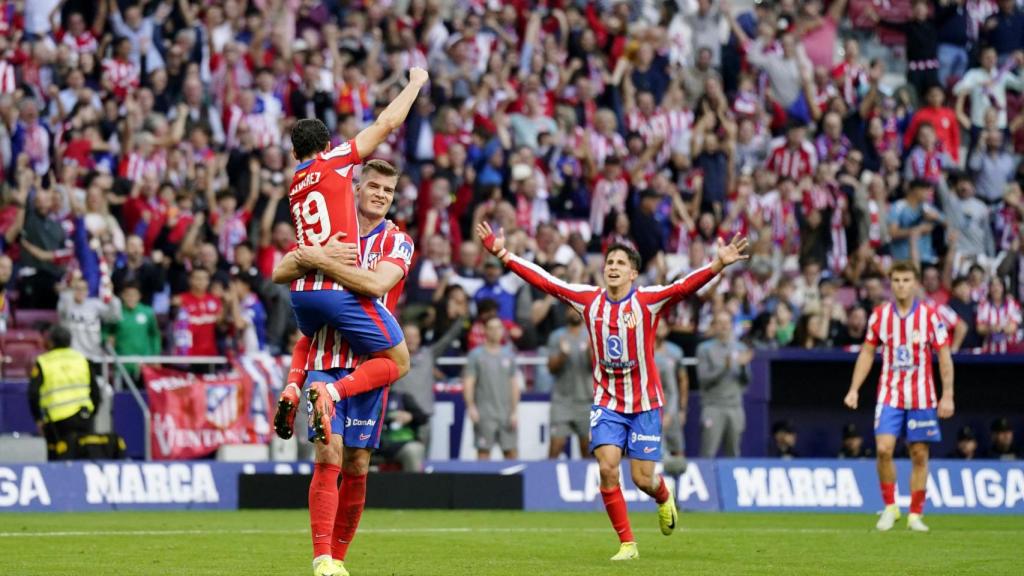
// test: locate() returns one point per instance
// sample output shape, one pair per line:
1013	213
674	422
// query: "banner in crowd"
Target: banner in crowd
193	415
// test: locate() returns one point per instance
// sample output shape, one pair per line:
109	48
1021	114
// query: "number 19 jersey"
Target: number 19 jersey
323	204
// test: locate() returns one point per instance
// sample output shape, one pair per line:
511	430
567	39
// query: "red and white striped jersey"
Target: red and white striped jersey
136	166
123	76
997	318
329	348
84	42
793	163
907	343
323	204
621	332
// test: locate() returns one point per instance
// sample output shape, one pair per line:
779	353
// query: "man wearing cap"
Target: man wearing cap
966	444
1002	441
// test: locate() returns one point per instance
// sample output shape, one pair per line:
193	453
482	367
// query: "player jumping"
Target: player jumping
323	205
356	421
621	321
908	331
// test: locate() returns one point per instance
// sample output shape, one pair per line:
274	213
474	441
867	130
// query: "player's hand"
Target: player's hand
418	76
346	253
513	420
946	407
474	414
493	242
734	251
851	399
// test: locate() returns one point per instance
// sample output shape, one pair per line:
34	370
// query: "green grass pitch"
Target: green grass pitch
504	543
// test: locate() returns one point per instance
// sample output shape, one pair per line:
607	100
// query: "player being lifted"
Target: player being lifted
323	205
356	420
621	321
908	331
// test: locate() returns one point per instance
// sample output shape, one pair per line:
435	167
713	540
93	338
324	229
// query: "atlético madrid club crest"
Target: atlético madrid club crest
222	405
629	319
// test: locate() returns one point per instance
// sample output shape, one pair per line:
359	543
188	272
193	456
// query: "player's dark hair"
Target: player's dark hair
382	167
631	254
904	266
309	136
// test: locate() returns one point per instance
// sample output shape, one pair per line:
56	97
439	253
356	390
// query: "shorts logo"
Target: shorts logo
649	449
364	436
914	424
595	415
349	422
632	438
614	346
646	437
629	319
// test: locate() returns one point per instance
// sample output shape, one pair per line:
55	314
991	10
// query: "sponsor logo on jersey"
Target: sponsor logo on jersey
350	422
614	346
403	250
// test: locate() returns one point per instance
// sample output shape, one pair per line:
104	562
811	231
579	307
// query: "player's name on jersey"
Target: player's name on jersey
311	179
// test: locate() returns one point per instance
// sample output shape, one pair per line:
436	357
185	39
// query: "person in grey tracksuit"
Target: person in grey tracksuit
723	371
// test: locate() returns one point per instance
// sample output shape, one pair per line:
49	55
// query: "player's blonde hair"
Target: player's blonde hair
382	167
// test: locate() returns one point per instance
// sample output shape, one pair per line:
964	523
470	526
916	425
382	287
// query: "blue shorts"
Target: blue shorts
358	419
367	325
639	435
914	425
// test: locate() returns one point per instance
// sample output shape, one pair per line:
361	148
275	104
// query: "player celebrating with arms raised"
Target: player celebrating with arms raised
908	331
323	205
621	321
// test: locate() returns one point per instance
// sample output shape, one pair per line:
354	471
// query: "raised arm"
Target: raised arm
393	116
576	295
656	297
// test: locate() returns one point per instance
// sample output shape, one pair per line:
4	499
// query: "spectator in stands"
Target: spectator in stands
137	333
993	166
1002	447
147	273
784	440
399	439
466	274
811	331
853	332
986	86
63	394
1004	30
418	383
84	317
249	317
496	287
676	384
853	444
969	224
966	310
941	118
491	391
573	392
723	372
43	249
911	221
999	319
966	444
198	317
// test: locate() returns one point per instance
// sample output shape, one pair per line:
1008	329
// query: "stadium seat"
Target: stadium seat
35	318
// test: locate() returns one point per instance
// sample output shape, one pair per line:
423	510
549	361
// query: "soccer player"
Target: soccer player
908	331
322	206
356	420
621	321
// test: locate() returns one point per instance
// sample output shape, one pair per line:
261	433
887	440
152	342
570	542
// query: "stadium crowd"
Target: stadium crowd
145	160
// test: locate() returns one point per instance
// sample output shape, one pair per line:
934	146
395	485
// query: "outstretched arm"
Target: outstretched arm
576	295
656	297
393	116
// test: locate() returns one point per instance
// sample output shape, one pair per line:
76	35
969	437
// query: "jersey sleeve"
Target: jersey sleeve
342	158
657	297
874	328
938	334
398	249
575	295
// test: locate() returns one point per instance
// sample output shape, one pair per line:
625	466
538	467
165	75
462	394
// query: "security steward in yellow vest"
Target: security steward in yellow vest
62	394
